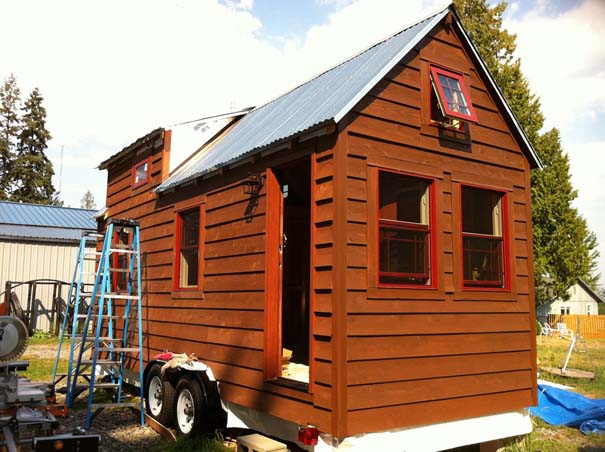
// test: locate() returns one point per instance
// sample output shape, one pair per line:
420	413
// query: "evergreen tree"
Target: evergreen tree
88	201
564	247
9	129
33	171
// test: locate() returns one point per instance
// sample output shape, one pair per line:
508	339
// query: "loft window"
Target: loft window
450	101
188	247
482	238
404	229
140	173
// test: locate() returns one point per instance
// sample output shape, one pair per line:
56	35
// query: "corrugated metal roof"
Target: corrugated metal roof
39	232
324	99
42	221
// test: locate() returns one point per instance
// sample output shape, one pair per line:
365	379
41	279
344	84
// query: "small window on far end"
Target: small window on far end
450	100
188	247
140	173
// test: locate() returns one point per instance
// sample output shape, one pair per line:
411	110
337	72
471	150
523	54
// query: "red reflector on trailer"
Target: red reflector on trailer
308	435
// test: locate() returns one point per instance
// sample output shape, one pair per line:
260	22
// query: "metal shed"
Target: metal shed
40	242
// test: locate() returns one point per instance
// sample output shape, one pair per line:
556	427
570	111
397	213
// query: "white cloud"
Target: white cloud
587	175
563	57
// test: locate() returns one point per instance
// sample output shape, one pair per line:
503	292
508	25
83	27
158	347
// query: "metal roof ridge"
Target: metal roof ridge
20	203
355	55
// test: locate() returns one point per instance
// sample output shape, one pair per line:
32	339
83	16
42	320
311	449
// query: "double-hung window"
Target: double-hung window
188	249
483	238
404	234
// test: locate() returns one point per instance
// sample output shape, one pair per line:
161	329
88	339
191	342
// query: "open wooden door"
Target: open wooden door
287	272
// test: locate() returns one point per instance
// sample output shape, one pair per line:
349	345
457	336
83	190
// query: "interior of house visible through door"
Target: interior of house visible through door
289	192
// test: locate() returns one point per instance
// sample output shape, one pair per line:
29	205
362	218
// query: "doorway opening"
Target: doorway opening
295	241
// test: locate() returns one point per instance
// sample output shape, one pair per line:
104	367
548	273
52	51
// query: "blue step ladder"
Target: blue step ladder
110	330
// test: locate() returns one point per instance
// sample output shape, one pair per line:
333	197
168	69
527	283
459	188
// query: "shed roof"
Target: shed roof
323	101
36	221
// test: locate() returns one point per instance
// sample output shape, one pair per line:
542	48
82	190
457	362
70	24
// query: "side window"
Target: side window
121	261
404	230
482	238
140	173
188	249
451	105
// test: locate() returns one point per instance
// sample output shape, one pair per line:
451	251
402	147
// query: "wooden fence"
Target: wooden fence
590	326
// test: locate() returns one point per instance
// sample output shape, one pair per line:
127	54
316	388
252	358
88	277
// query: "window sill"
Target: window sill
406	293
180	294
290	388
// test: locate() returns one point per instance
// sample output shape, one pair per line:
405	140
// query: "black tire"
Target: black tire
191	414
160	396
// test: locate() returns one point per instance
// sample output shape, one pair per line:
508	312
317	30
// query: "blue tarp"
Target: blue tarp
561	407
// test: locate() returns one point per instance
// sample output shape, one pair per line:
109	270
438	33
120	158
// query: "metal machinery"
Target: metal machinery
26	414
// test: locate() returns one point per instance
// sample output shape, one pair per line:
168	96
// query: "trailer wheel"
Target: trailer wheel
190	407
160	397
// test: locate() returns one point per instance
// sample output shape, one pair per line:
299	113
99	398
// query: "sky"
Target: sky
112	71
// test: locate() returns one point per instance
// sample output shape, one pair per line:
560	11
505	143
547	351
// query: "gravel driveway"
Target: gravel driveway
119	428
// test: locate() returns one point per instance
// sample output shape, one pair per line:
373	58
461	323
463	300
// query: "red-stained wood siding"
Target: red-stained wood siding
223	322
382	357
418	356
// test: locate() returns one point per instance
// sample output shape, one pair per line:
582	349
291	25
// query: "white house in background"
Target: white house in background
582	301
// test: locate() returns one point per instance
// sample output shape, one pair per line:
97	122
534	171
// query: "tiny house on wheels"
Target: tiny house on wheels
355	255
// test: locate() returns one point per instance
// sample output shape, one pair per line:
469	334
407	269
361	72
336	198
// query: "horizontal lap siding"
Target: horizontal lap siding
421	356
223	324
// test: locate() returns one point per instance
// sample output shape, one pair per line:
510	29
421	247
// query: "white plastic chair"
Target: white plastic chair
564	332
547	330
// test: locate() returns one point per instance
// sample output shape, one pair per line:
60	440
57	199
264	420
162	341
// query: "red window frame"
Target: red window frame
442	98
499	245
427	229
135	183
179	248
119	281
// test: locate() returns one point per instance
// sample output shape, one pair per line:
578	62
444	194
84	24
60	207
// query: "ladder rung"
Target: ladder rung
120	270
116	404
122	246
122	251
84	316
99	385
91	338
118	349
104	362
93	253
121	297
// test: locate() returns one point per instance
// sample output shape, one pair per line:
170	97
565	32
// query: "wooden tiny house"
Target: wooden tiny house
356	254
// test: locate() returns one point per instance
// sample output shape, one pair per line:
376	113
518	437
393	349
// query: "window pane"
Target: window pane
141	173
403	255
481	211
189	248
403	198
403	229
190	228
453	94
483	261
189	267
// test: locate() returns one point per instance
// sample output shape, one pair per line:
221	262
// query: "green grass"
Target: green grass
194	445
546	438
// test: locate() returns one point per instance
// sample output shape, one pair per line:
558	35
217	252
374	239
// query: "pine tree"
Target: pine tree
88	201
33	171
564	247
9	129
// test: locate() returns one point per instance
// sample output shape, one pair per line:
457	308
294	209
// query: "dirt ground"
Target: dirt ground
119	428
